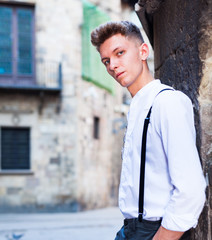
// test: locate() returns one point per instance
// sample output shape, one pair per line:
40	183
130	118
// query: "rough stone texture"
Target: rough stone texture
69	169
52	136
176	49
177	62
205	102
145	10
182	37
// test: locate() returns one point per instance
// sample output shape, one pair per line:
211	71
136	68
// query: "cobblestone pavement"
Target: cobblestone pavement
99	224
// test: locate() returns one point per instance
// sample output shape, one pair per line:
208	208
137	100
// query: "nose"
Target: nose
113	64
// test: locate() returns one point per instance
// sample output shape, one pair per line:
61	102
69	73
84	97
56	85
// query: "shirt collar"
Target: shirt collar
143	96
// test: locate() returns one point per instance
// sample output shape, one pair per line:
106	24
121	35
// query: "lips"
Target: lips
119	74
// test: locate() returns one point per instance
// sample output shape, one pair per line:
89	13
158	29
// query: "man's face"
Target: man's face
122	58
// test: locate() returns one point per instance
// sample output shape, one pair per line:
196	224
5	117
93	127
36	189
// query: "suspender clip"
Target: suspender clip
140	217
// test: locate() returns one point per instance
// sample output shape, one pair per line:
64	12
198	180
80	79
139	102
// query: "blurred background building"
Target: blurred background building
62	118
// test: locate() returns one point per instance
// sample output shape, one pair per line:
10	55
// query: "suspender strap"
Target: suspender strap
143	160
142	167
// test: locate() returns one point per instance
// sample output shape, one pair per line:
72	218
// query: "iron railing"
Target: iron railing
43	75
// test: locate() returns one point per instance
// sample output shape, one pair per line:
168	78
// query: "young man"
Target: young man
174	186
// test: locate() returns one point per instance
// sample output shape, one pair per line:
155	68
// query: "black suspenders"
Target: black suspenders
143	160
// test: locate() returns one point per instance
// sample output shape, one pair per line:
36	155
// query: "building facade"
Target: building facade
61	117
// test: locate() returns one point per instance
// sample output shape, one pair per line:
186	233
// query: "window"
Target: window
16	44
96	128
92	68
15	148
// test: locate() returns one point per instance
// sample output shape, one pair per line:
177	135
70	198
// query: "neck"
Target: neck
145	78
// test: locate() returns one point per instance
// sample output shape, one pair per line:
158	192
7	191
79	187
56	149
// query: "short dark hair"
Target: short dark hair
128	29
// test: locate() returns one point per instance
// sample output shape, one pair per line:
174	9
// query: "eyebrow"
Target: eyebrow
112	52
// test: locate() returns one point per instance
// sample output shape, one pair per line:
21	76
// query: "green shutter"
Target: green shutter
5	40
92	68
24	17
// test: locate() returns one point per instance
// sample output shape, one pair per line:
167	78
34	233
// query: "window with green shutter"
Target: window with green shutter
16	43
92	68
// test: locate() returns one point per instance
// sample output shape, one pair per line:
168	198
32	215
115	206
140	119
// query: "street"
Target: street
99	224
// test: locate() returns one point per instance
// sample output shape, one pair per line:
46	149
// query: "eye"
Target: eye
106	62
120	53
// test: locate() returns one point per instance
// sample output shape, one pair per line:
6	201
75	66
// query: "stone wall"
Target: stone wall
28	189
51	180
177	60
182	45
205	102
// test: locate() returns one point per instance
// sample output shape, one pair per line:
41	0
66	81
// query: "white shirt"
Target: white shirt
174	182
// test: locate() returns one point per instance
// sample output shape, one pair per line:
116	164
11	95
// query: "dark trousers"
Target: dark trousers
145	230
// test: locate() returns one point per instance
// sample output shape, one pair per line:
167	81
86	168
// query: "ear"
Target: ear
144	51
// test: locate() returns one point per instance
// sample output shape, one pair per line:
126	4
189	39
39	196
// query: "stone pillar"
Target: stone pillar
181	34
205	111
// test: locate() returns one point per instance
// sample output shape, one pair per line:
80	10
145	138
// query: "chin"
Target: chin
125	84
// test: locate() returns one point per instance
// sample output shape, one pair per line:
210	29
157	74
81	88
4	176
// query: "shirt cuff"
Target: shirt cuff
178	223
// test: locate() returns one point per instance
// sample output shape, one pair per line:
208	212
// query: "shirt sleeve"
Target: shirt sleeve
176	127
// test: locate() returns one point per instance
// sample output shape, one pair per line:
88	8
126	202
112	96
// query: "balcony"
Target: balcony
31	78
